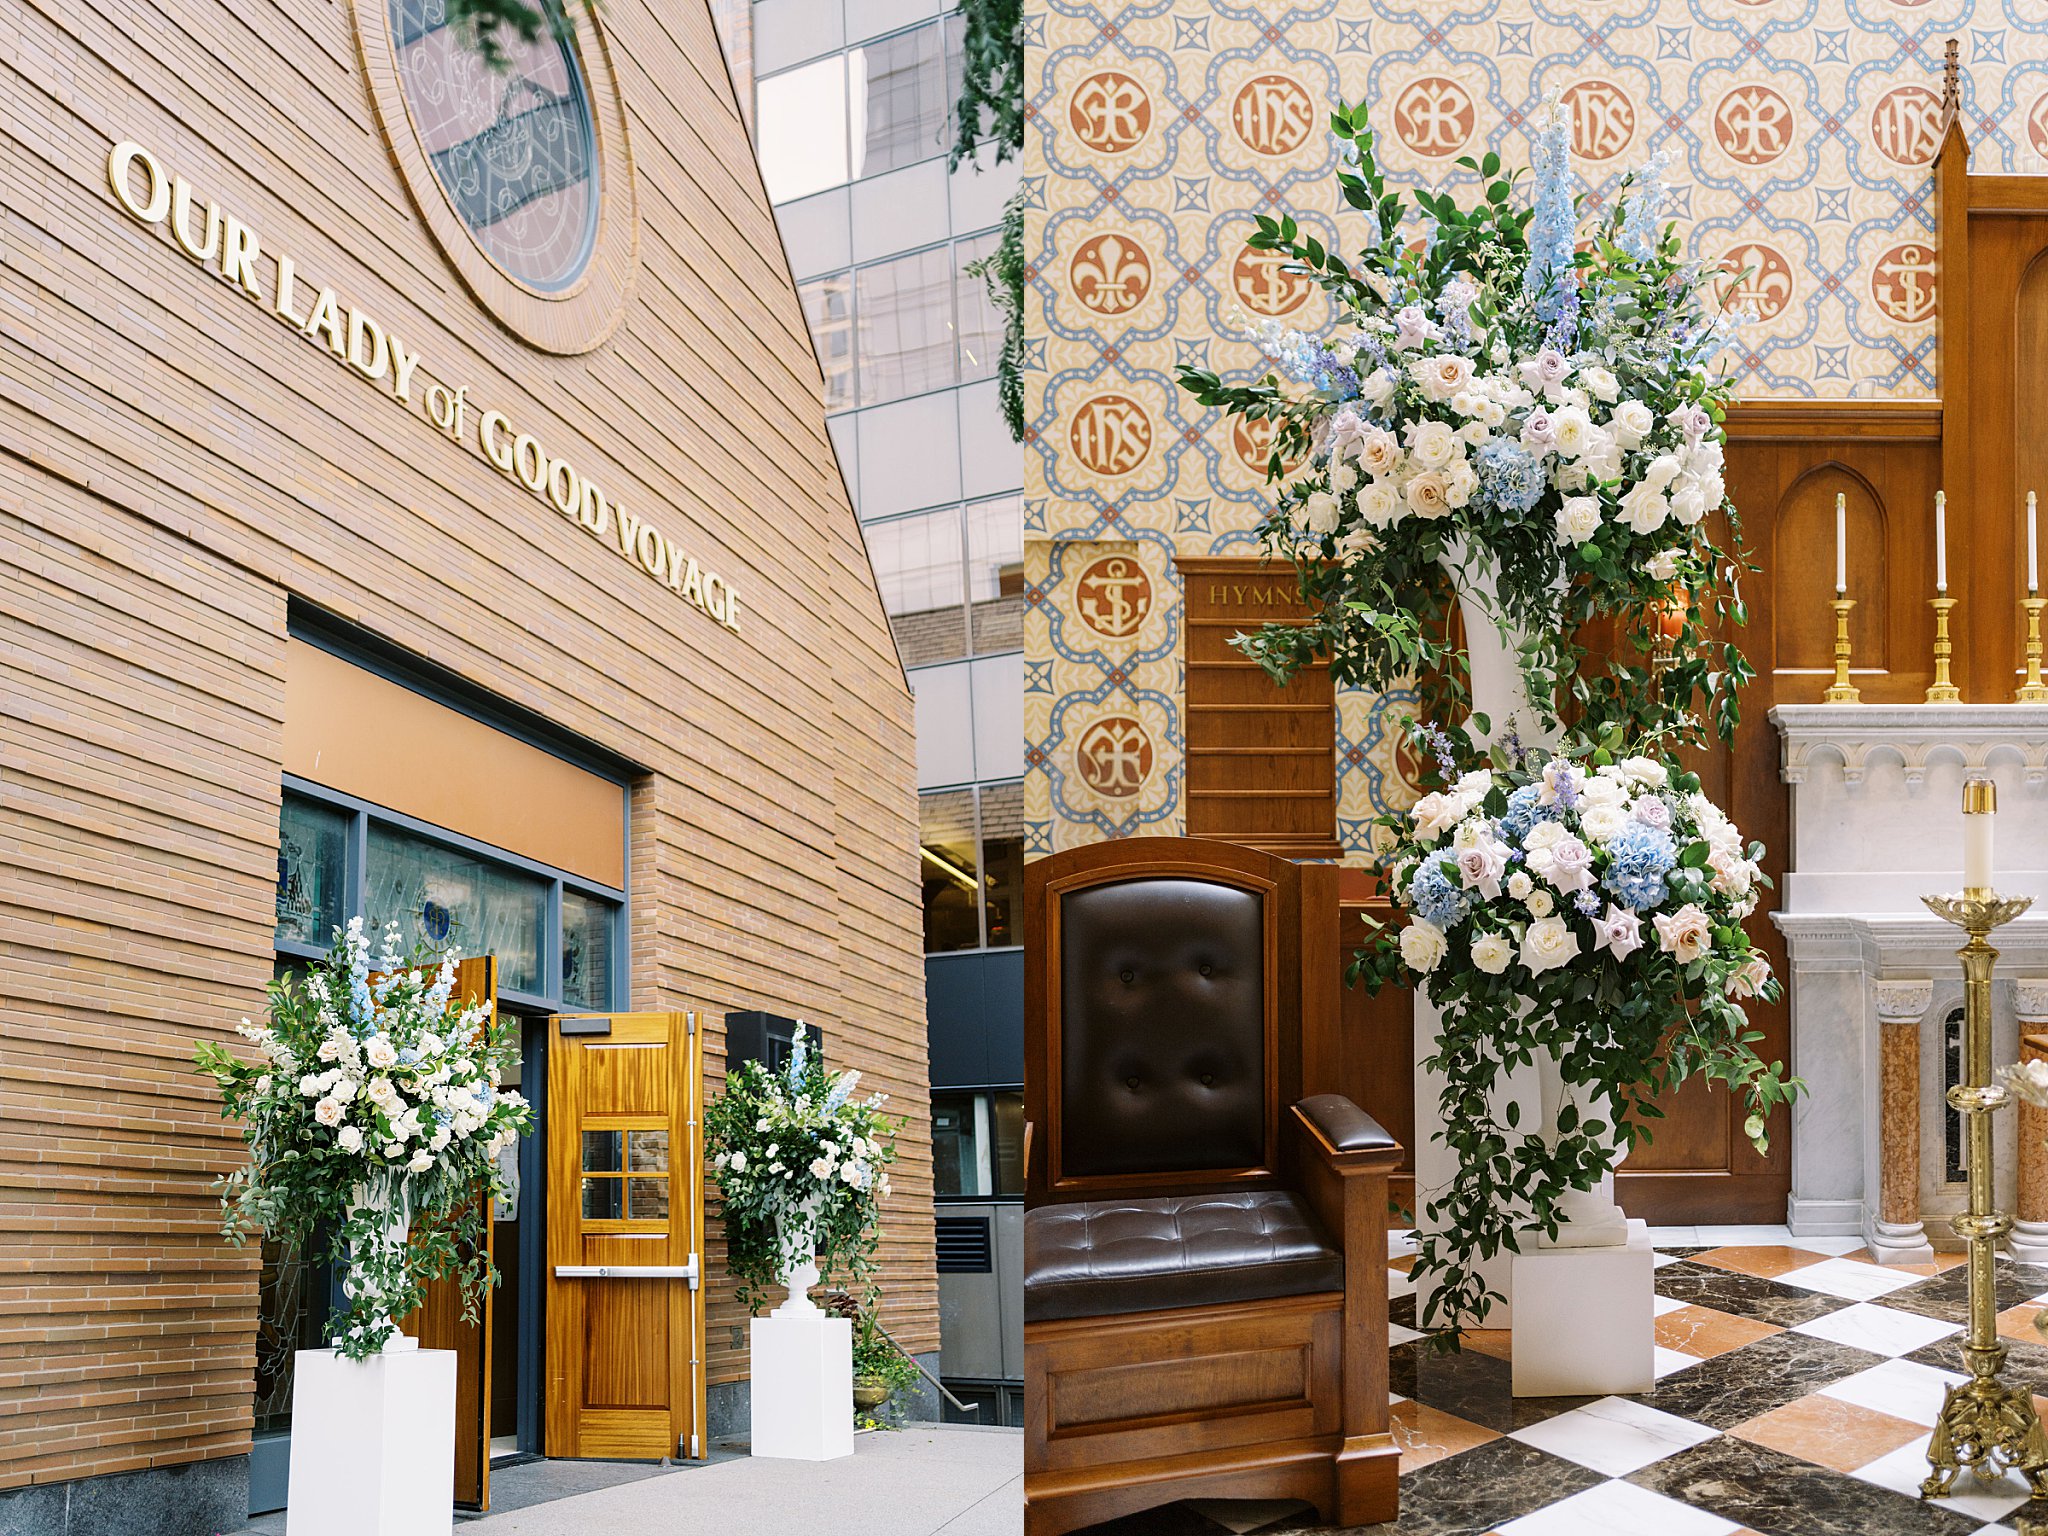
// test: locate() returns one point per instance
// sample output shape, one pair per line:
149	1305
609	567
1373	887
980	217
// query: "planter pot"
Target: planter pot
869	1394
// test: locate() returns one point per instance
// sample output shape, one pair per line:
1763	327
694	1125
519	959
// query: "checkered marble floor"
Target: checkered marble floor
1797	1382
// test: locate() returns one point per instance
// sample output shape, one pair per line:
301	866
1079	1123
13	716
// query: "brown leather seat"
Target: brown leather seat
1097	1258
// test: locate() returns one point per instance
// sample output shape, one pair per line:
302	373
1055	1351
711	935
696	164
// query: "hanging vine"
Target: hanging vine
990	109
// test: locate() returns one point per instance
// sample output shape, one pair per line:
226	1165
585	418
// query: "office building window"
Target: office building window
903	318
902	95
995	573
978	1145
828	310
801	129
972	855
923	578
981	328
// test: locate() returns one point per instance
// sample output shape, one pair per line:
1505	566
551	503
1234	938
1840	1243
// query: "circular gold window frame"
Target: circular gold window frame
582	315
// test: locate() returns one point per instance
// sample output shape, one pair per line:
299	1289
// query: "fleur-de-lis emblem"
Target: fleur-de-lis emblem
1763	279
1110	274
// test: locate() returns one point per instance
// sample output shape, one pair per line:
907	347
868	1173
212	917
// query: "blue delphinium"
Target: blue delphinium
1640	857
1434	898
1641	223
1550	277
1509	476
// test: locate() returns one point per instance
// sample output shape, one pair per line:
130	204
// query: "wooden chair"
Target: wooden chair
1205	1269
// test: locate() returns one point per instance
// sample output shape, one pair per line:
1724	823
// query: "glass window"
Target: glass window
978	1145
312	867
902	100
828	308
981	326
512	145
946	856
995	573
439	896
800	116
586	951
919	570
904	320
1002	862
1006	1115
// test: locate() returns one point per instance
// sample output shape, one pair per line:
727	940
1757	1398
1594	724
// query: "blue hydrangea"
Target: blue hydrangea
1509	476
1640	857
1523	813
1587	902
1434	898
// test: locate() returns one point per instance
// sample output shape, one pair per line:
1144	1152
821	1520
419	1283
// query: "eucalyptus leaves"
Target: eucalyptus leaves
373	1119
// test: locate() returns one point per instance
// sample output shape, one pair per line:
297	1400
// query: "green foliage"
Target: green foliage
802	1168
990	106
494	23
1002	272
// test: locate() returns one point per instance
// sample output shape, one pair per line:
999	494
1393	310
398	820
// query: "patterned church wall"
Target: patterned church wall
1800	134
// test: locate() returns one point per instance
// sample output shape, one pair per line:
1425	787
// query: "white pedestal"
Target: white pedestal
1902	1242
802	1386
1585	1319
373	1444
2027	1243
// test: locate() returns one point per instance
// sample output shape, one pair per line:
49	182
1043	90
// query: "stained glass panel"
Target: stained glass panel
586	951
440	896
312	863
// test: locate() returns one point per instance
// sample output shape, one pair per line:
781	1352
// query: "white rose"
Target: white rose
1474	785
1423	945
1631	423
1434	815
1343	475
820	1168
1520	885
1432	443
327	1112
1460	481
1602	385
421	1161
1603	788
1572	431
263	1086
1428	494
1644	507
739	1162
377	1051
1662	470
1540	903
1646	771
1321	512
1662	566
1491	952
1545	834
1376	388
1578	519
1600	822
349	1139
394	1149
1441	377
1379	504
1689	503
1548	944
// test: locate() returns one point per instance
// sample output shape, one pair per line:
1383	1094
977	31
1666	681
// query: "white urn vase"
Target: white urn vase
388	1204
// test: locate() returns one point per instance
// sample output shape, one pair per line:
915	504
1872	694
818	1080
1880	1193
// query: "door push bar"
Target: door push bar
630	1271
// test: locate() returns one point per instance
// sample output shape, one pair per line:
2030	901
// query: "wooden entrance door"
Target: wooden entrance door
625	1217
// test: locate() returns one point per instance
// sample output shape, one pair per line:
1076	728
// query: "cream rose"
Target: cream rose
1539	903
327	1112
1520	885
1548	944
1491	952
1343	475
1423	945
1427	494
1572	432
1432	443
1662	566
1441	377
1379	503
1321	512
1379	451
1601	384
1748	978
1600	822
1685	934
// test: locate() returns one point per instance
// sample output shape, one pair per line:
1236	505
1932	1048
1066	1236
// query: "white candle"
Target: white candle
1841	544
2033	556
1979	803
1941	541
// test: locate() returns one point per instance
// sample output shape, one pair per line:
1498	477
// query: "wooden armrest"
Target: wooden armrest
1345	1136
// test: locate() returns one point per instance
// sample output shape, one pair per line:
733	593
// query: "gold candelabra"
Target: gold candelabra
1941	690
1844	691
2033	690
1983	1420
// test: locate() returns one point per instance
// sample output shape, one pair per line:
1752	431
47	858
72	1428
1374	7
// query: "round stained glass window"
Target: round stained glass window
513	146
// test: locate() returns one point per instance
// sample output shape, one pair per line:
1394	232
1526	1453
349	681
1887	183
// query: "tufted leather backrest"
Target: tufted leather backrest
1162	1008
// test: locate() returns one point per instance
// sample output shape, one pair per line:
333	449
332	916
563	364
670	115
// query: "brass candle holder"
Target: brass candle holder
1941	690
1983	1420
1844	691
2033	690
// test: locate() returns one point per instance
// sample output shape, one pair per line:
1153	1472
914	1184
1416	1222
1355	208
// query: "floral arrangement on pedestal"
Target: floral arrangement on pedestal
373	1117
1583	914
1516	424
803	1166
1513	410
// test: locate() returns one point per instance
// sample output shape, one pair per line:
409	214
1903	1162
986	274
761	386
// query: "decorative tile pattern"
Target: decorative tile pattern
1800	133
1813	1427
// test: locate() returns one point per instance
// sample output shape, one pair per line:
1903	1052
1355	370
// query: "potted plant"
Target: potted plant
880	1367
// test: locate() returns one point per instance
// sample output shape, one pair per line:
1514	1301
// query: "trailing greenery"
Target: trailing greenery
491	22
990	109
374	1102
1002	271
802	1167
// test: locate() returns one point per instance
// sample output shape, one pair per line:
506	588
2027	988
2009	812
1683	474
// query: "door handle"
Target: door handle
630	1271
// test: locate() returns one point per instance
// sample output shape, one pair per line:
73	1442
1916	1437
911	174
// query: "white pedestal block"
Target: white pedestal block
373	1444
1900	1242
1584	1319
2027	1243
802	1386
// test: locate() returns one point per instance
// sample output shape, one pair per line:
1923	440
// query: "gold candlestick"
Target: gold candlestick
2033	690
1941	690
1844	691
1983	1421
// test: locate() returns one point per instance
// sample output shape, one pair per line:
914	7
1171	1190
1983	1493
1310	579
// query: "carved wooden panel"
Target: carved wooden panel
1261	760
